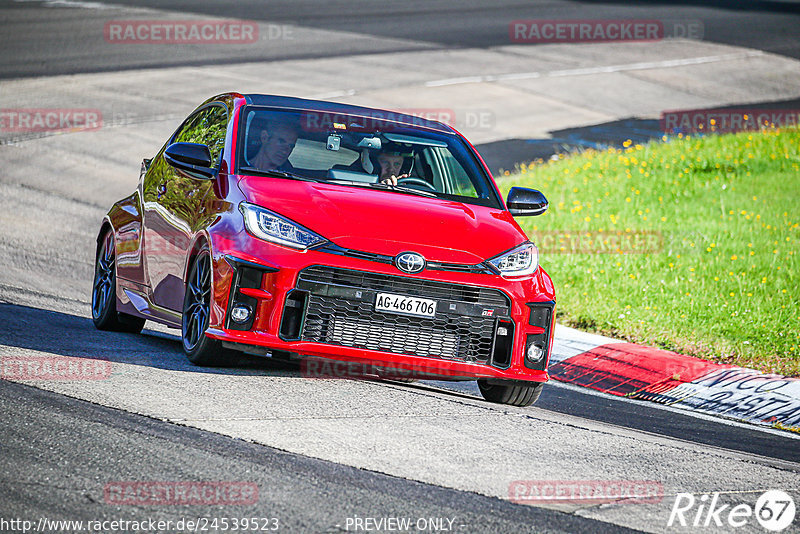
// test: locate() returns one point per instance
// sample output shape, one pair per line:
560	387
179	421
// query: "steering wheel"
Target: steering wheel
422	184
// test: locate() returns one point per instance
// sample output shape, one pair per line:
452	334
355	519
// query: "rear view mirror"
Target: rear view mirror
522	202
192	158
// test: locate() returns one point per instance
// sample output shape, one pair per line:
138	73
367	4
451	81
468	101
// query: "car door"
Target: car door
174	206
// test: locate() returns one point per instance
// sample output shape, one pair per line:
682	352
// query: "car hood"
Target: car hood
387	222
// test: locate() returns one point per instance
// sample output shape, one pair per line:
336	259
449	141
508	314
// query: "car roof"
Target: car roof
290	102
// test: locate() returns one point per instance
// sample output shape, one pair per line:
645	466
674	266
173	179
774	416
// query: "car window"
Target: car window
207	126
354	150
450	175
311	154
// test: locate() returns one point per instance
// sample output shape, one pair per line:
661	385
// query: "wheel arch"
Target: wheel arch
200	241
105	226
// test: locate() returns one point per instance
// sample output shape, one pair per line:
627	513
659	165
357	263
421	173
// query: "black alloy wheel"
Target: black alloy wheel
199	348
104	289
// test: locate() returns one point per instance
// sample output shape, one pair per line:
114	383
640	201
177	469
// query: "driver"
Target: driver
277	142
391	160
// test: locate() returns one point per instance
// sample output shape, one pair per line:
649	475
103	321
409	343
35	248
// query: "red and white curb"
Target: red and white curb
639	372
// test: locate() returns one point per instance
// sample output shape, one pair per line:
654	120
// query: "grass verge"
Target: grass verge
690	245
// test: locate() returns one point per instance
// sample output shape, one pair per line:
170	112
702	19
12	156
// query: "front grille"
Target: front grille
383	258
340	310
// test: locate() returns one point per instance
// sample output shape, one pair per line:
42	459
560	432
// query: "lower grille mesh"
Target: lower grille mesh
340	311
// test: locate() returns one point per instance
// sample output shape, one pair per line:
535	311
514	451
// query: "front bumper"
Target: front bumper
314	303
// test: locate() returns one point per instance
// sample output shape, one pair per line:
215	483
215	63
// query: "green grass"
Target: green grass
690	245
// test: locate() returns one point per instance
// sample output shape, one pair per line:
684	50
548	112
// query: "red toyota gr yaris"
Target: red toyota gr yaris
287	227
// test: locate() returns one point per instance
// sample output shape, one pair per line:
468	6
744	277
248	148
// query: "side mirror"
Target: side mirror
193	158
522	201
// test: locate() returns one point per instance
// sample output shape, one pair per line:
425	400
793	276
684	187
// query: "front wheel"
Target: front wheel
520	394
199	348
104	289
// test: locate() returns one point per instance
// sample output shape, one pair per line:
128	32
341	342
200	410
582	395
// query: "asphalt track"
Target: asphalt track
320	451
303	494
39	42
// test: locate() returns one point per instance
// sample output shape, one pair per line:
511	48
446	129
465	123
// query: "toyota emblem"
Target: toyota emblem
409	262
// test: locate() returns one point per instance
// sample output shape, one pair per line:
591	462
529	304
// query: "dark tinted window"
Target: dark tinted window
208	127
358	150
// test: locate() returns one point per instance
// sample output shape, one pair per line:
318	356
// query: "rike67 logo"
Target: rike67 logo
774	510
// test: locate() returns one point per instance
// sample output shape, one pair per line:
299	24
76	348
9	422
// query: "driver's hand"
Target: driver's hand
392	180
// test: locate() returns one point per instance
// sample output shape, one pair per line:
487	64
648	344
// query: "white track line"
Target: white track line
646	65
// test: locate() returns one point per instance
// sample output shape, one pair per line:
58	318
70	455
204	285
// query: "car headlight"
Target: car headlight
269	226
519	261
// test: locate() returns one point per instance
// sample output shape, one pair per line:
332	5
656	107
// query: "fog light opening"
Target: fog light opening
241	313
535	353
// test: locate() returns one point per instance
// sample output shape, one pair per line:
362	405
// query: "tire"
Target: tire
199	348
523	394
104	293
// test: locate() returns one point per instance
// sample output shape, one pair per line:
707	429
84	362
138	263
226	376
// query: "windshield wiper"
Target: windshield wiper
403	189
278	174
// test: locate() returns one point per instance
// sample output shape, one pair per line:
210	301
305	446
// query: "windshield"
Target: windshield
360	151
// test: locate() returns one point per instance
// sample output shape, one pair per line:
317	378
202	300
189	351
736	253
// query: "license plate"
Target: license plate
404	305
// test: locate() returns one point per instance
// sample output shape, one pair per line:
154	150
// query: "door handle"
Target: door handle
162	189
